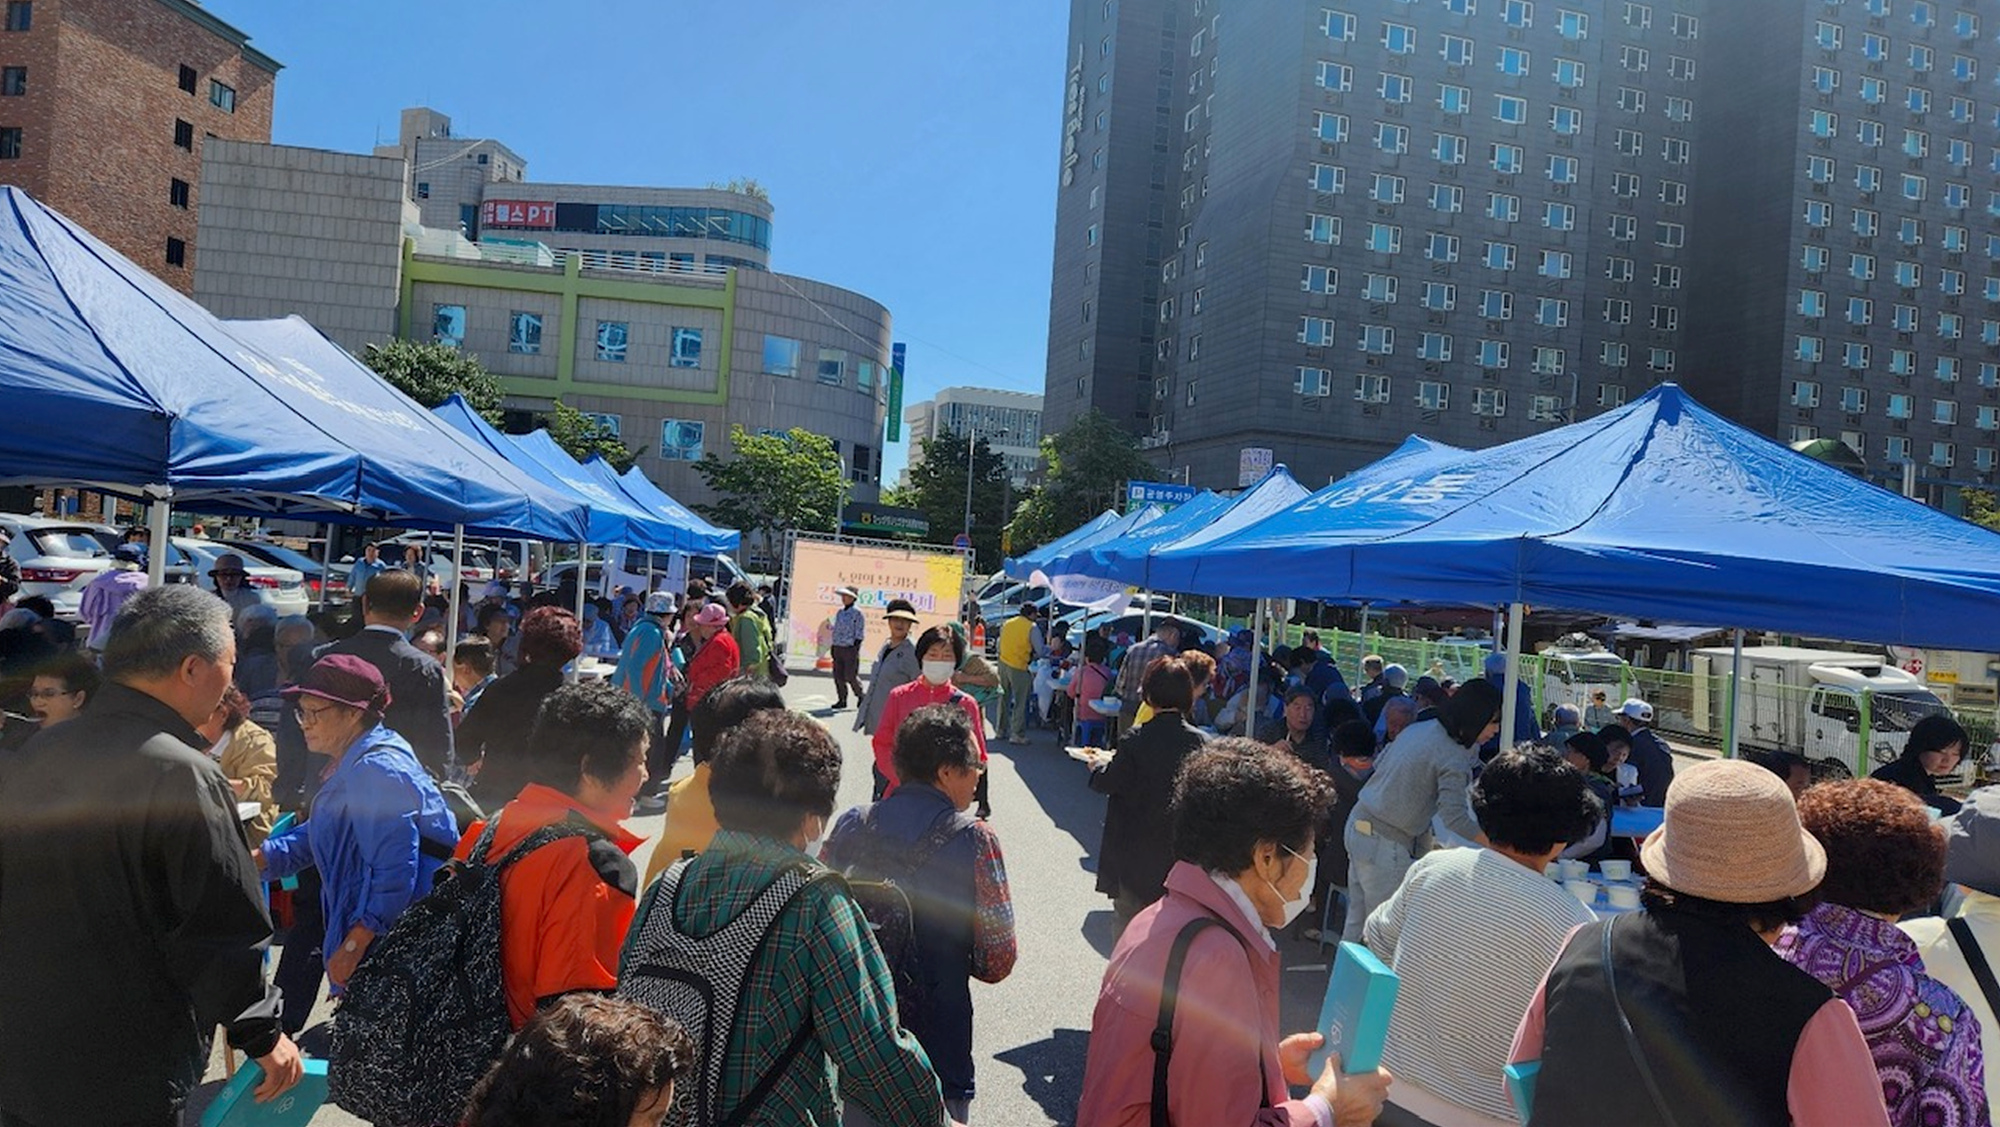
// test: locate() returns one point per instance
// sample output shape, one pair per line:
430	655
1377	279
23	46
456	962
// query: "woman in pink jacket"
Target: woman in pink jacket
1244	818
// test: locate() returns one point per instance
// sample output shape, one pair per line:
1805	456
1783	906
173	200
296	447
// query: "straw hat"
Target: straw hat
1732	833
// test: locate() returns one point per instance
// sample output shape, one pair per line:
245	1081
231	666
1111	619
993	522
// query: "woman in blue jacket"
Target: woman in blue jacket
378	830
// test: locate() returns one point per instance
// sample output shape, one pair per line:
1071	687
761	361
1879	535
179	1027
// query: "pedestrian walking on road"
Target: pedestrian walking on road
1137	849
850	627
1021	642
132	920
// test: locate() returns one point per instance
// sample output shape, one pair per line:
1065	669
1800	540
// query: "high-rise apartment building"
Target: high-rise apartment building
104	105
1329	226
1849	260
1009	421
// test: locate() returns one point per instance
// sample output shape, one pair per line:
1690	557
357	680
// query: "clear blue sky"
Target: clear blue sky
909	146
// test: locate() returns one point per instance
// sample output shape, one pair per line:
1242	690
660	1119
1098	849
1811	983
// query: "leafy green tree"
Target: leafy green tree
433	373
581	436
937	489
773	483
1088	465
1982	507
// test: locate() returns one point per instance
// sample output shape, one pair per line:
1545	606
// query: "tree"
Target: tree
937	489
581	436
774	483
433	373
742	186
1982	507
1088	466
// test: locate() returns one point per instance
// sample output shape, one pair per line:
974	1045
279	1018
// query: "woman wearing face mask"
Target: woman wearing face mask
939	651
1244	816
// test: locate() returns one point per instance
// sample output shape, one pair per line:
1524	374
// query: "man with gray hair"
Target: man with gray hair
132	921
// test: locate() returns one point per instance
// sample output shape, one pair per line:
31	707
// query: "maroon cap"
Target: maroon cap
344	679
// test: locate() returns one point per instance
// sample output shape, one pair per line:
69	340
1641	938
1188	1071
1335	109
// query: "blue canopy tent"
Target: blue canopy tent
541	512
1075	587
1084	556
609	516
1662	510
708	539
135	390
1658	510
648	531
1024	565
1134	559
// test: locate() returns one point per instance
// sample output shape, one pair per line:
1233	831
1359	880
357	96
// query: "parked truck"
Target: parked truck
1818	703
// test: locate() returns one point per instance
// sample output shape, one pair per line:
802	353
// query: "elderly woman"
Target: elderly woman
1935	746
248	756
1137	848
62	686
585	1061
1884	859
1424	777
1682	1013
379	829
565	907
965	929
492	739
713	657
1244	816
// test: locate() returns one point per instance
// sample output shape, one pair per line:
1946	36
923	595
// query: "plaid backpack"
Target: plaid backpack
697	981
425	1014
880	872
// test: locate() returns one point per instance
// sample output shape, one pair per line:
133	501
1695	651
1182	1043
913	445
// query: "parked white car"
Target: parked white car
58	558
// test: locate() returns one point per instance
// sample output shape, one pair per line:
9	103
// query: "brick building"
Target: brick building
104	105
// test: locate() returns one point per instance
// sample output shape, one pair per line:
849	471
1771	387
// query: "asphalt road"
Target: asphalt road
1030	1032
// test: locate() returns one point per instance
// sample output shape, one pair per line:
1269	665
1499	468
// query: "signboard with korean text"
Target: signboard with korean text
539	214
931	578
1253	463
1165	494
868	519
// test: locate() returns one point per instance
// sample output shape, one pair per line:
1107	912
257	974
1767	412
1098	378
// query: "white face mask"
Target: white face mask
1294	907
938	672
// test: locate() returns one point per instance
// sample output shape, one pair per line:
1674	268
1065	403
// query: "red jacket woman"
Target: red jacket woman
716	656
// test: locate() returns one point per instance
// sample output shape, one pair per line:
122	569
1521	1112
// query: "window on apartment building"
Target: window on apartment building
188	79
687	349
10	142
524	333
177	252
184	135
20	15
781	356
1316	382
177	193
13	81
221	97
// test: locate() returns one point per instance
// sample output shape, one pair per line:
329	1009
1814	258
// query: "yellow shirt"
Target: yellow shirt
690	822
1017	650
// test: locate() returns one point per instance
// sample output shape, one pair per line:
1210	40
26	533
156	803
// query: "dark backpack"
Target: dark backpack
699	980
425	1014
880	872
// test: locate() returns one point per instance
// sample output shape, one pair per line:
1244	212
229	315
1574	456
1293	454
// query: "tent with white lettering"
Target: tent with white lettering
1659	510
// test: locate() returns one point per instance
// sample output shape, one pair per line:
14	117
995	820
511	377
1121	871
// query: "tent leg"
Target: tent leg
1365	608
325	565
158	514
1253	705
582	590
1509	709
1146	618
1735	691
455	599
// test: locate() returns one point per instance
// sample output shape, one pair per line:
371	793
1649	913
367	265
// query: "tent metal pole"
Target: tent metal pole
1509	693
1146	618
582	590
1253	705
325	565
455	599
158	513
1365	608
1735	690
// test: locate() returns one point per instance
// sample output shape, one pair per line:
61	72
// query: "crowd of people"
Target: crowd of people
1802	953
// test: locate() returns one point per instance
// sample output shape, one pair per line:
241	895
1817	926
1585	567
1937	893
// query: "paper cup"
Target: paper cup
1574	870
1554	871
1583	890
1622	895
1616	870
